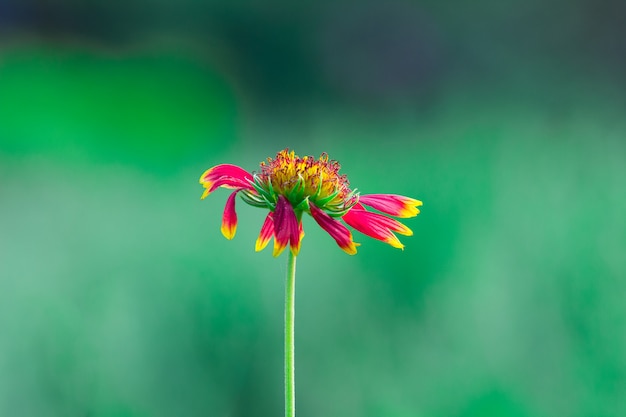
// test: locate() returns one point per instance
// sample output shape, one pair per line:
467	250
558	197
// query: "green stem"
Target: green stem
290	299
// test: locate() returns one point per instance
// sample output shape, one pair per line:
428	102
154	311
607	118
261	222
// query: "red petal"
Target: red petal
376	226
336	230
225	170
229	219
225	175
286	228
377	220
395	205
267	231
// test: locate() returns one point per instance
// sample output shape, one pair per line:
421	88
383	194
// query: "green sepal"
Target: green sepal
254	203
304	205
253	200
352	194
322	202
337	214
319	188
270	187
270	204
296	191
262	191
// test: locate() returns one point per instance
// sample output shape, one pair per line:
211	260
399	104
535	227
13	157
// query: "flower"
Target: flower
289	186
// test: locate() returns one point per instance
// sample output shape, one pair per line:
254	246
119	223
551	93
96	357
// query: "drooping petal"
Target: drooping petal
395	205
225	175
229	219
267	231
286	228
296	239
336	230
378	220
377	226
225	170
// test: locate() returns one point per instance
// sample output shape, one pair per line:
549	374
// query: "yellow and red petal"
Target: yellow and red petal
225	175
229	219
225	170
286	227
267	231
296	240
378	220
205	194
301	232
377	226
336	230
395	205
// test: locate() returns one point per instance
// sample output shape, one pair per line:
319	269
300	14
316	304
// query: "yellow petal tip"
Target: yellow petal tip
260	245
205	193
229	232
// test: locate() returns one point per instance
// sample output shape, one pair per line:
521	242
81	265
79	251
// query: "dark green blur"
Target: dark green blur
120	298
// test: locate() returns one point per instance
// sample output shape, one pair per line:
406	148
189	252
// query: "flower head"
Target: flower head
289	186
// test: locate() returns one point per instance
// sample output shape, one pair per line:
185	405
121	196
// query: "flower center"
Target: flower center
307	179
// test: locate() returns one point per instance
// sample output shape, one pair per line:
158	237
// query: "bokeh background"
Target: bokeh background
120	298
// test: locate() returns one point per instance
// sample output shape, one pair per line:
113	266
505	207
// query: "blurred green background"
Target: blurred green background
119	296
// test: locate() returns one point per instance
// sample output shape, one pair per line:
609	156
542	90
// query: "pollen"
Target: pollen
306	179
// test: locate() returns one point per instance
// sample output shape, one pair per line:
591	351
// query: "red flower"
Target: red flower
289	186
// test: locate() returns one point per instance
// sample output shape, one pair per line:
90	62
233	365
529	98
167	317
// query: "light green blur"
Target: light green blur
119	296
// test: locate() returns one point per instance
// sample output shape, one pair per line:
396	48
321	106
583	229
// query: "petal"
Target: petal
286	228
296	239
377	226
395	205
229	219
225	170
336	230
225	175
267	231
301	232
377	220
